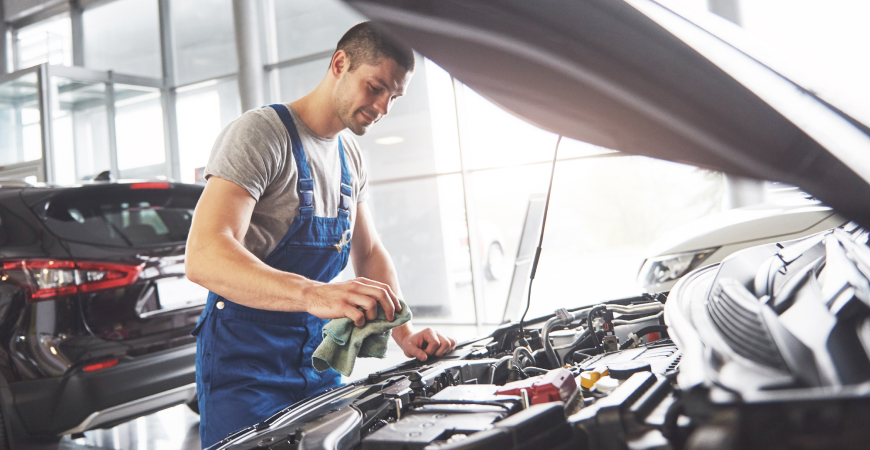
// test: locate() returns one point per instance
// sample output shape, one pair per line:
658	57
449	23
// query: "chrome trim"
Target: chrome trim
164	399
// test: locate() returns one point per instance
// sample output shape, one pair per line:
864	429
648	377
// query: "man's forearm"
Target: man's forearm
221	263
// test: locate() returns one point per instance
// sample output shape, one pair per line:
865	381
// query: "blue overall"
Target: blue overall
250	363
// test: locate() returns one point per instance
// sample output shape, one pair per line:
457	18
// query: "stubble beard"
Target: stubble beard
346	113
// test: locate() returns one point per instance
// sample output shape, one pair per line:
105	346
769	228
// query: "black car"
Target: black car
769	349
95	310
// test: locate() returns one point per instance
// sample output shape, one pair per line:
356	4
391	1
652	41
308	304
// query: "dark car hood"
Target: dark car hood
636	77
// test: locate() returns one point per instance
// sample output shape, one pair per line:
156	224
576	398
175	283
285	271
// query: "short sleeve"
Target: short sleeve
353	151
248	152
363	193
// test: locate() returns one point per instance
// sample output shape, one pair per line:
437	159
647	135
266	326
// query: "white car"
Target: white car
710	239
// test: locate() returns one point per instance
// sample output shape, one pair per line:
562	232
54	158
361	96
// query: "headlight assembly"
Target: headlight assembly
662	269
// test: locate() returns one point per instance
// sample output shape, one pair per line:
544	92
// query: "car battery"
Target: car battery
557	385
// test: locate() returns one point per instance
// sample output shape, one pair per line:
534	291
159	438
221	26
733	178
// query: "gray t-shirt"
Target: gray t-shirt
254	152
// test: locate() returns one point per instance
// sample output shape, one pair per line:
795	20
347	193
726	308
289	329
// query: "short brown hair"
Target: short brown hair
364	44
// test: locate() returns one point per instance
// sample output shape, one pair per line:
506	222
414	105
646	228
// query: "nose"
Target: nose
382	105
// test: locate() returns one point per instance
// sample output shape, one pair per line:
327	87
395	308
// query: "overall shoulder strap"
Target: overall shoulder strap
346	190
306	183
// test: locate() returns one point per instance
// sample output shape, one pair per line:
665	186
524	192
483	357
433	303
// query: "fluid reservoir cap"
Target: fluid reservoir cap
624	370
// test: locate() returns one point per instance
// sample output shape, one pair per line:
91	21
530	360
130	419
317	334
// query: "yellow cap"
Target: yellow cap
589	378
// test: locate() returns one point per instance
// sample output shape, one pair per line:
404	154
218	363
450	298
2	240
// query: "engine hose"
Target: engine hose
643	332
647	308
595	342
570	356
495	366
525	352
535	370
584	345
545	340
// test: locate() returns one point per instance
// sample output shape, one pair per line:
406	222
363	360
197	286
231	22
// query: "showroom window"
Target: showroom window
45	41
123	36
139	125
204	39
81	137
19	113
203	110
305	27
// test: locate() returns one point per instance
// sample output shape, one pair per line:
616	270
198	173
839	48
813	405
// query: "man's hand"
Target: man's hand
424	343
335	300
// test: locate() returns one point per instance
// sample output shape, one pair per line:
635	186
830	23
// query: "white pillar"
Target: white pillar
247	27
4	58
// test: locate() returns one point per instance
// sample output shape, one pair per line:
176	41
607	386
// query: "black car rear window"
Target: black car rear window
119	216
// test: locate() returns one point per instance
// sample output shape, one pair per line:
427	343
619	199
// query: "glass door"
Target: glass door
80	128
20	127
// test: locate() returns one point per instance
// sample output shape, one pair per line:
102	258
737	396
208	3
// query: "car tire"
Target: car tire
193	405
494	268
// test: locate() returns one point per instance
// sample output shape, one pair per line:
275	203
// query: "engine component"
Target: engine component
589	378
608	422
455	411
624	370
610	344
556	385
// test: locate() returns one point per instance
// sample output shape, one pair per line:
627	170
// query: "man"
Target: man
286	190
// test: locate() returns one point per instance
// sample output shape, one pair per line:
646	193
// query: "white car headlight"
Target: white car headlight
662	269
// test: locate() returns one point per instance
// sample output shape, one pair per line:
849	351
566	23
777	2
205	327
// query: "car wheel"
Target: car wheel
494	268
193	405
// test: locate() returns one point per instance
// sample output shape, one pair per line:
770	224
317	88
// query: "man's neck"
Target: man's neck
317	112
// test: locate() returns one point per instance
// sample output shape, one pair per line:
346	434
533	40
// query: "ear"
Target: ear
340	63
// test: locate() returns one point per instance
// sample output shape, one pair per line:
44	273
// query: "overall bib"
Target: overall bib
250	363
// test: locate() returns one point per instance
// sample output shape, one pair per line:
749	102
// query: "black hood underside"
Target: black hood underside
635	77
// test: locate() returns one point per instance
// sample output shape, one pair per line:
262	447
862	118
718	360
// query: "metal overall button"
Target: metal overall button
345	239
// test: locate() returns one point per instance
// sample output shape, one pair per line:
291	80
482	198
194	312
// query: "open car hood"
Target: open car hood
637	77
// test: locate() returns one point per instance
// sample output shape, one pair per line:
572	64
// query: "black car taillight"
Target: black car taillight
45	279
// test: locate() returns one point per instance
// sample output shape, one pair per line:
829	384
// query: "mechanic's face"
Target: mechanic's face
366	94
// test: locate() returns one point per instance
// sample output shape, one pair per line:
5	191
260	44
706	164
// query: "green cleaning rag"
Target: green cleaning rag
343	342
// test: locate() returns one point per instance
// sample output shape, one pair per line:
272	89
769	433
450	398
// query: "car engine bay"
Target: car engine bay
769	349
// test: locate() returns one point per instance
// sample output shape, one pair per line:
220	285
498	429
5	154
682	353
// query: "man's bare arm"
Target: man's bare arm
372	261
217	260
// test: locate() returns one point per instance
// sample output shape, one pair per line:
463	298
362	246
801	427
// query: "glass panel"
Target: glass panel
403	143
202	113
418	136
422	224
501	200
300	79
139	132
21	139
493	137
47	41
311	26
81	135
124	36
604	213
204	39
